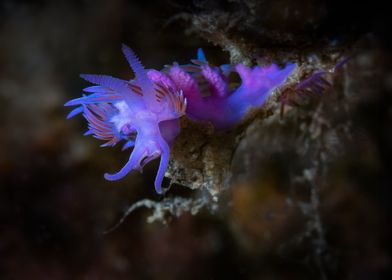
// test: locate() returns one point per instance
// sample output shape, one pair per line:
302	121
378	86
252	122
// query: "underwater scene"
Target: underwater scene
221	139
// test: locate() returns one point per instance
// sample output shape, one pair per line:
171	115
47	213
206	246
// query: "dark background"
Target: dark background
55	204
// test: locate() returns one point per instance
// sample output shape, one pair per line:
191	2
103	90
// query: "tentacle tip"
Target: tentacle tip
109	177
158	189
124	46
200	55
69	103
88	77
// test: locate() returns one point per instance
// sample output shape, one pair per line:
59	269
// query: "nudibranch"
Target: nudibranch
143	112
208	91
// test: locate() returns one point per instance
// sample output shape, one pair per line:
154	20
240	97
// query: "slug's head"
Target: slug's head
143	112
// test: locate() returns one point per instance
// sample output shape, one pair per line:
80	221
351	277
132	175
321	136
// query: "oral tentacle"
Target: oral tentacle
162	166
134	158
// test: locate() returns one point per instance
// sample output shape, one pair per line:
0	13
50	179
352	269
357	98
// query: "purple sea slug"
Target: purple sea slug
210	97
144	112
